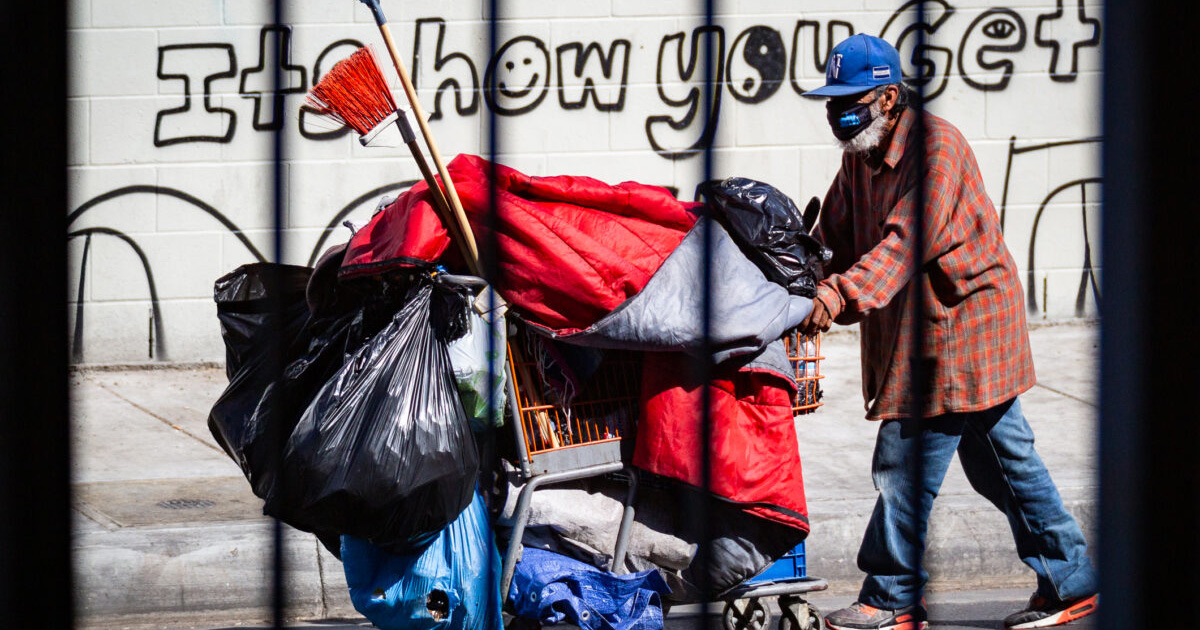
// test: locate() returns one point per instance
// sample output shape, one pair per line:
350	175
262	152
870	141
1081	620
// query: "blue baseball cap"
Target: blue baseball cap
857	64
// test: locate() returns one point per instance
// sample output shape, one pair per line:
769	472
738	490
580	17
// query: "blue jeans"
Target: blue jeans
995	447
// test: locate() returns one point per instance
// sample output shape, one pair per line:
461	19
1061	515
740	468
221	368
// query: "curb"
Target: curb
222	571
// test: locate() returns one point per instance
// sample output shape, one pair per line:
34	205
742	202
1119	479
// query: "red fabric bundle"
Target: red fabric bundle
755	459
571	249
407	233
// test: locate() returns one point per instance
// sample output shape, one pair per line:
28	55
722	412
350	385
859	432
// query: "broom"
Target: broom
355	94
411	94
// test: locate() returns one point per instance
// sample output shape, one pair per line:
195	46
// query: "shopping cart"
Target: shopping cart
558	442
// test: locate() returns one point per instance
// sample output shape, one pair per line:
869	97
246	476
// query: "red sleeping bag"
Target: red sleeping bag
755	459
571	249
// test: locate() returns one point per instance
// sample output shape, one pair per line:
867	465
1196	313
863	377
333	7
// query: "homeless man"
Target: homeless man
976	346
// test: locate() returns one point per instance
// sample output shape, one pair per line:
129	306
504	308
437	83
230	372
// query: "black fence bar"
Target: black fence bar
35	514
1149	368
919	372
702	504
274	282
489	257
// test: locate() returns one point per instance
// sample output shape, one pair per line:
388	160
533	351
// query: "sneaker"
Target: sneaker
1046	613
860	616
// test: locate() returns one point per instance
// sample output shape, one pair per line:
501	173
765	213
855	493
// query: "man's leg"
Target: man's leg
895	538
999	459
998	456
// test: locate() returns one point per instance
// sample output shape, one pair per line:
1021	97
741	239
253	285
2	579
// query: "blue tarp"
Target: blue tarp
452	584
552	589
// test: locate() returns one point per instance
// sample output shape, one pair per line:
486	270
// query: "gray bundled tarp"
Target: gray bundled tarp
749	312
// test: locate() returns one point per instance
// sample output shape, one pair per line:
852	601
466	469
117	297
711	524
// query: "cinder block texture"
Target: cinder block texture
180	101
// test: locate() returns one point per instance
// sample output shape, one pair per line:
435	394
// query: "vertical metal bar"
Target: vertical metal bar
703	503
918	385
489	262
278	561
35	493
1149	478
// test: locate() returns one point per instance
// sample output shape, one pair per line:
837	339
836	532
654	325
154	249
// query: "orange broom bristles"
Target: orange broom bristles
353	93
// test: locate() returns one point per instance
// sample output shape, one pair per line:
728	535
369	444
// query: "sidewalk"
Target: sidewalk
165	525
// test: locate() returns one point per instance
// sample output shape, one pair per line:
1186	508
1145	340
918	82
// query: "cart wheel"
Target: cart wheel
797	614
754	616
815	619
793	613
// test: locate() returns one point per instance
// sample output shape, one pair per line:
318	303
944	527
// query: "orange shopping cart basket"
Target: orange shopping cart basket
559	439
804	354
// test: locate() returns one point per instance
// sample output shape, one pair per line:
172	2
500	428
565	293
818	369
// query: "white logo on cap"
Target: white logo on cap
881	72
835	65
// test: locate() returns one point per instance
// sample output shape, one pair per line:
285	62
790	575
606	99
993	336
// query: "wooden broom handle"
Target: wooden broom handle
460	216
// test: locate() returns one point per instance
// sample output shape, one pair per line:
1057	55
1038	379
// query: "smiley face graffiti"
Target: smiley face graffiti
518	76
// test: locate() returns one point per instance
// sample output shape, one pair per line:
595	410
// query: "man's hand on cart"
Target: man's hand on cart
818	321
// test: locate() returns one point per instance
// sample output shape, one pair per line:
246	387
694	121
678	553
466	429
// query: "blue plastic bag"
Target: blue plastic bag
552	589
453	583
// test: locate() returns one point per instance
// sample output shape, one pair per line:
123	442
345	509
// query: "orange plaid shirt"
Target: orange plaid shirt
976	340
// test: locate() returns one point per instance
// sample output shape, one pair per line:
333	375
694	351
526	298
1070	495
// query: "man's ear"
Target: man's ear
887	100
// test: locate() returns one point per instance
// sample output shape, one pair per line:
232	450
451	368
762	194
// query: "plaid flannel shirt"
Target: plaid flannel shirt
975	338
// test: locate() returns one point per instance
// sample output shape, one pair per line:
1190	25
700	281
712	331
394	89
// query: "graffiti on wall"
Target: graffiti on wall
526	74
1072	191
754	64
156	339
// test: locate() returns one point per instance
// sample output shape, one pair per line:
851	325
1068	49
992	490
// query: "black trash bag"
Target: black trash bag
244	304
769	226
254	415
244	308
384	452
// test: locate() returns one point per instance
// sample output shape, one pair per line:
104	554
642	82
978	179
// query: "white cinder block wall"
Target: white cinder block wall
171	118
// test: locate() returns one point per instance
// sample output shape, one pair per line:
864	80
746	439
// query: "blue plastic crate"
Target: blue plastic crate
790	567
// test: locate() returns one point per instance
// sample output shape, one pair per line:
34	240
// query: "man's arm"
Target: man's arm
835	231
876	278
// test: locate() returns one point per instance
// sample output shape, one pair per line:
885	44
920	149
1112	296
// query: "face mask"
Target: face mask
849	122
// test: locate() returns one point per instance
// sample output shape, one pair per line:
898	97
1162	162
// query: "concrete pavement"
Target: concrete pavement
167	528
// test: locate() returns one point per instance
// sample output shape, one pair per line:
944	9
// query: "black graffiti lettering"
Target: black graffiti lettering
994	31
757	59
518	76
686	71
218	57
157	342
583	61
454	71
836	31
274	52
327	59
1088	275
1045	39
928	65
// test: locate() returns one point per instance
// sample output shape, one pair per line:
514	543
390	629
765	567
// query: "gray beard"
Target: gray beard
870	138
